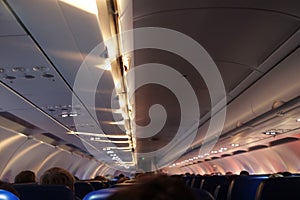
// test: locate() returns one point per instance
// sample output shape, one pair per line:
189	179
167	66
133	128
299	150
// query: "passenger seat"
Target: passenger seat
45	192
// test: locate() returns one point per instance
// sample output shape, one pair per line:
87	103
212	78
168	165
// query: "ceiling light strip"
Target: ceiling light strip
99	135
111	141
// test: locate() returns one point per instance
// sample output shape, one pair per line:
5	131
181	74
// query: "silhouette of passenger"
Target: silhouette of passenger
58	176
159	187
100	178
121	176
26	176
228	173
285	173
244	173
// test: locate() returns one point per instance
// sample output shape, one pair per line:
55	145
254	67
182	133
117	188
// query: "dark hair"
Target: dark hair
285	173
58	176
159	187
244	173
26	176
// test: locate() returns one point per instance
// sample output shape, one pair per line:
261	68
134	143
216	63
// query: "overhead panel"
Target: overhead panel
74	83
9	24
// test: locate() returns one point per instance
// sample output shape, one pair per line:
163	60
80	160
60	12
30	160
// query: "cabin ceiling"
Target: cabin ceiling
43	47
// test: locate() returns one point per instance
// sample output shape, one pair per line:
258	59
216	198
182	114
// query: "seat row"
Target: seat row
254	187
240	188
50	192
82	188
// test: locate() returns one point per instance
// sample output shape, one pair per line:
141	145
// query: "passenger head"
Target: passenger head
244	173
25	177
58	176
285	173
160	187
228	173
122	180
121	176
100	178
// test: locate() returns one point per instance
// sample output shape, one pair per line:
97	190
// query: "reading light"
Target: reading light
73	114
40	68
64	115
270	133
18	69
298	119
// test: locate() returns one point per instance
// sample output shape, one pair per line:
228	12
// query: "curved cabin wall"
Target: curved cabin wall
19	152
284	157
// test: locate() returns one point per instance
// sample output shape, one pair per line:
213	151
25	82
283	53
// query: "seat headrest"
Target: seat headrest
6	195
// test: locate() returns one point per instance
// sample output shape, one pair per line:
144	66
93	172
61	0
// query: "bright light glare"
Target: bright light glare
114	123
99	135
111	141
120	148
106	67
117	111
89	6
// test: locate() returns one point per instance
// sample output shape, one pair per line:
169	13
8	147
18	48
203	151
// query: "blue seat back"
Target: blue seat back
82	188
100	194
196	182
98	185
6	195
202	194
211	182
45	192
188	180
220	192
244	187
279	188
